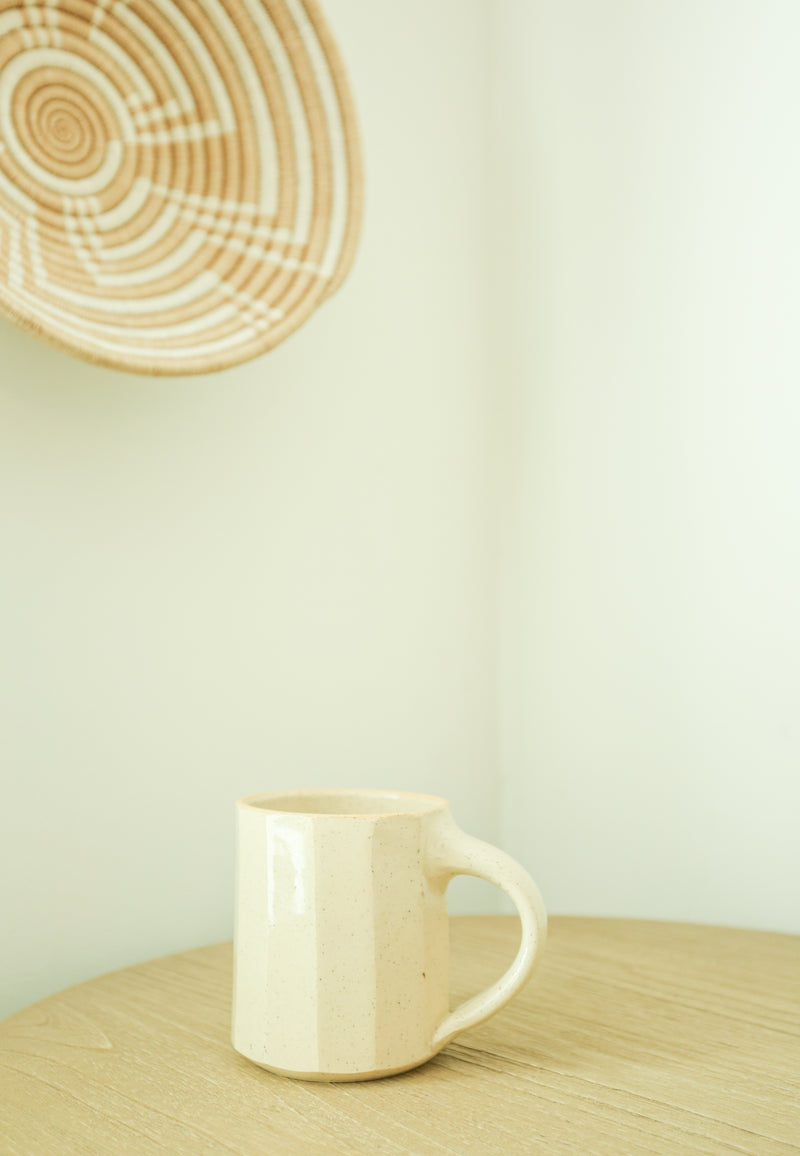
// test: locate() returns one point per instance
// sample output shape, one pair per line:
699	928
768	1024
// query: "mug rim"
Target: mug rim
256	802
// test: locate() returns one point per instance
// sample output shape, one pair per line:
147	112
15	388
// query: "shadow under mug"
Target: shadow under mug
341	941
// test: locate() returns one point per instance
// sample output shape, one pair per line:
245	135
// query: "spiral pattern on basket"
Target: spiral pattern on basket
179	179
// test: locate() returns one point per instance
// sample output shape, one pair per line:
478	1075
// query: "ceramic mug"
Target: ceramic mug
341	942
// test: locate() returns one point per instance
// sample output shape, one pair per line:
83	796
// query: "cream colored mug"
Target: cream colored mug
341	942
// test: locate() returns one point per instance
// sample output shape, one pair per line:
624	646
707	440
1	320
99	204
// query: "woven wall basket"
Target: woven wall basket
180	181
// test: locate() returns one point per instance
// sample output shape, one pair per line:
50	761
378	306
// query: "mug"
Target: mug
341	940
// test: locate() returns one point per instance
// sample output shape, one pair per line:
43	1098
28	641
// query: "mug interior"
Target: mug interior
345	802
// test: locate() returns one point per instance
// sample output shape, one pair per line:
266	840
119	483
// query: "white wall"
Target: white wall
273	576
645	210
286	574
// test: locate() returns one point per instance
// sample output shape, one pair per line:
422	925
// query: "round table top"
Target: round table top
634	1037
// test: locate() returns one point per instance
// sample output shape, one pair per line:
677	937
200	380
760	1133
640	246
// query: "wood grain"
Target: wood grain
634	1038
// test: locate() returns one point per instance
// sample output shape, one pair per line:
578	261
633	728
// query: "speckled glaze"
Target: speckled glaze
341	942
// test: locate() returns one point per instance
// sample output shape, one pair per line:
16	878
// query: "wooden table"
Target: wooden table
633	1038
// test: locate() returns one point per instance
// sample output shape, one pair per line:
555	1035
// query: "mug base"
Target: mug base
341	1077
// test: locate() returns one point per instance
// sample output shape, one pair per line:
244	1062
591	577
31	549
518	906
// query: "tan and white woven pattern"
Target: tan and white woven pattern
180	180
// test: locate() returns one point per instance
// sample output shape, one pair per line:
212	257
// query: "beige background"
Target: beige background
649	182
550	420
276	576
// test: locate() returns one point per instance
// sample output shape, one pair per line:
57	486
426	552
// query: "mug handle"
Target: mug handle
455	853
